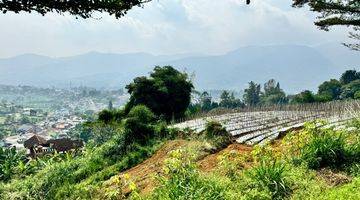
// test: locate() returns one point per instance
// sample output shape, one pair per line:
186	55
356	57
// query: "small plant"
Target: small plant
182	180
215	132
326	148
232	163
271	175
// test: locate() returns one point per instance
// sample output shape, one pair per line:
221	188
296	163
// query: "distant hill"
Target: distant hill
296	67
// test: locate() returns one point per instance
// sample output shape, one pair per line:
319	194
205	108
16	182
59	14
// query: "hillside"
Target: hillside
293	65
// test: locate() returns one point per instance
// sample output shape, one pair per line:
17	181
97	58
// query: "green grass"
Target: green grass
350	191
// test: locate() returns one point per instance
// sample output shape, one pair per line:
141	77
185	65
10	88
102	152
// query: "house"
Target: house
65	144
35	144
39	146
28	128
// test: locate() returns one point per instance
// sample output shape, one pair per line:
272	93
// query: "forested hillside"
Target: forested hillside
292	65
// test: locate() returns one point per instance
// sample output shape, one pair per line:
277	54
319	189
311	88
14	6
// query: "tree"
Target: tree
330	89
9	159
273	94
228	100
336	12
138	126
79	8
304	97
349	76
167	92
252	94
349	90
110	106
206	101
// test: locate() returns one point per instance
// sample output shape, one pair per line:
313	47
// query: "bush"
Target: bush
107	116
325	149
215	132
183	181
270	175
142	113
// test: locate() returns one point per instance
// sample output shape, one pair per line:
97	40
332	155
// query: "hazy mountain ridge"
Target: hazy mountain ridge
296	67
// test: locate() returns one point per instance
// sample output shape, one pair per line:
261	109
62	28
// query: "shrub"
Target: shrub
183	181
107	116
217	134
139	127
142	113
270	175
137	131
325	149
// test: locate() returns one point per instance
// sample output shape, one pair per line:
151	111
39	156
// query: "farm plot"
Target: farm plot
259	127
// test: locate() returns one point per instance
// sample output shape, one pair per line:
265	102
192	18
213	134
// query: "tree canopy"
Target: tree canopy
252	94
80	8
336	12
167	92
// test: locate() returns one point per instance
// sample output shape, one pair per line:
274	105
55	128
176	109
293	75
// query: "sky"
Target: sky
166	27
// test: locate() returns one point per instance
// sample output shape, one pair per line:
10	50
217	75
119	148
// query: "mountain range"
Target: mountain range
296	67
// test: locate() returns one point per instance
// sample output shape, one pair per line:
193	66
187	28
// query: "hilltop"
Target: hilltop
292	65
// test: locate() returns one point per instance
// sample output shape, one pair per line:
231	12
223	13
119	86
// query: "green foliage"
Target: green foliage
324	150
183	181
252	94
206	102
271	175
138	127
349	76
330	89
167	92
80	8
77	178
228	100
107	116
273	94
349	90
324	147
345	192
10	159
304	97
217	134
142	113
335	13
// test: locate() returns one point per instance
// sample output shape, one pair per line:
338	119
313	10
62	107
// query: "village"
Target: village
43	117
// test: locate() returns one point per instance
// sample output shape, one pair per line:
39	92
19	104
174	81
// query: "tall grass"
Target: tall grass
182	181
271	175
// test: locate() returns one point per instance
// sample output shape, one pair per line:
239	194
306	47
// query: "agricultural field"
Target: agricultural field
253	127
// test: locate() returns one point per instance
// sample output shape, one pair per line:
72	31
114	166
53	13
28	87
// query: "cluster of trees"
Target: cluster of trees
253	96
272	94
347	87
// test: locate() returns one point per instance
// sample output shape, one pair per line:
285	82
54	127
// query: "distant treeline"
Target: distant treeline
347	87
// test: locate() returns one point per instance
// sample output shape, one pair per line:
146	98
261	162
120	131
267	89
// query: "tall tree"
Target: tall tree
205	101
167	92
349	90
228	100
336	13
330	89
304	97
349	76
273	94
252	94
80	8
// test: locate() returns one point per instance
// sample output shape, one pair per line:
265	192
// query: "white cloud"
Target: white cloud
165	26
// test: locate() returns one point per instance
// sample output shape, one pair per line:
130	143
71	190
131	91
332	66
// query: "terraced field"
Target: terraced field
259	127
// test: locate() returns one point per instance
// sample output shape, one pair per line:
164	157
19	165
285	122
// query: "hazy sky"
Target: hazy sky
165	27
